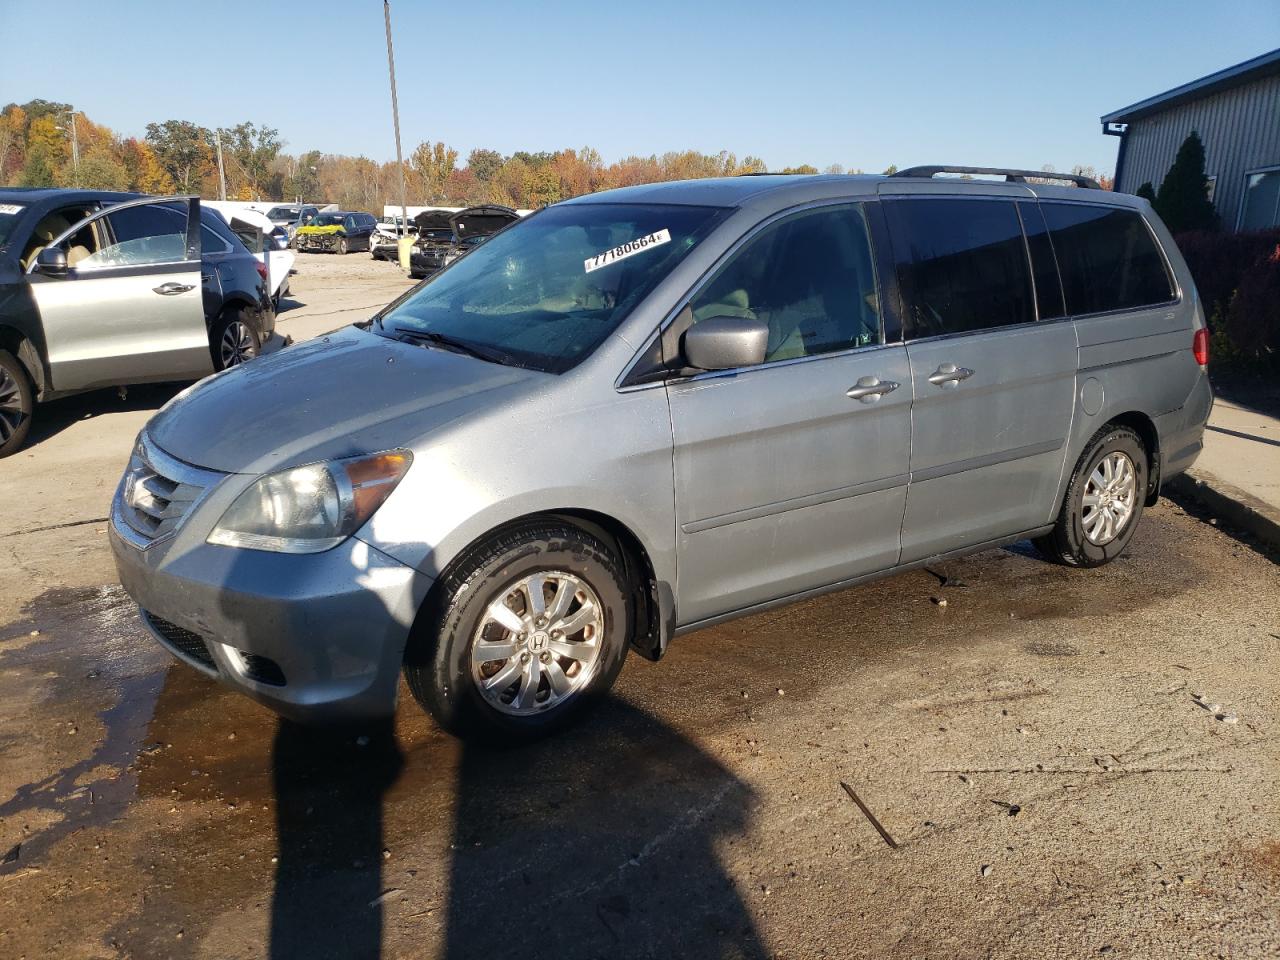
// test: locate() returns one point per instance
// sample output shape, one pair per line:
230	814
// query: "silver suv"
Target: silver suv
638	413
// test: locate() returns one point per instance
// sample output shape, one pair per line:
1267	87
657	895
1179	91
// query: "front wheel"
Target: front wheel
1103	503
17	403
342	245
234	339
529	631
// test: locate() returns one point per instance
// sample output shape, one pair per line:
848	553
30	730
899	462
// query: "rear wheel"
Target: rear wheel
17	403
1103	502
343	246
530	630
234	339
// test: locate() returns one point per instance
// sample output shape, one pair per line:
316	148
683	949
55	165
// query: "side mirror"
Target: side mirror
52	262
724	343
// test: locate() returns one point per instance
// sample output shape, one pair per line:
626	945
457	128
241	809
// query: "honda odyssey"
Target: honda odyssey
637	413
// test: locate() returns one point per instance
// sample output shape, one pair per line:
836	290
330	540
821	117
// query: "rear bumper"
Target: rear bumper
1181	431
316	638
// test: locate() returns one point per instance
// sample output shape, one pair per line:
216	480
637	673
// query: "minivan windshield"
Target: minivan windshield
327	220
545	292
283	213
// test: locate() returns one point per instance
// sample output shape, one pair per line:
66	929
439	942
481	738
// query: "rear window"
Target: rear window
1107	258
962	265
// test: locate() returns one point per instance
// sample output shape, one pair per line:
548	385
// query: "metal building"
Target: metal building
1236	112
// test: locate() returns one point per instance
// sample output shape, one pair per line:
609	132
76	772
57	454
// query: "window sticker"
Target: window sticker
628	249
10	208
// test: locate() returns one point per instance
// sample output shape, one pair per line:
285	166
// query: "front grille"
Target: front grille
182	641
158	493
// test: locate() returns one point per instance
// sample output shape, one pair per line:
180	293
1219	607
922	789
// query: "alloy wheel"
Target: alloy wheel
1109	498
237	344
11	412
538	644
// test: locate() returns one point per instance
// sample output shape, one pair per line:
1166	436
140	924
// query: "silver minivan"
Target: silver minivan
637	413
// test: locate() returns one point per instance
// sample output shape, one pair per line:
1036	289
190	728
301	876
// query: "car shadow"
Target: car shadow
601	841
52	418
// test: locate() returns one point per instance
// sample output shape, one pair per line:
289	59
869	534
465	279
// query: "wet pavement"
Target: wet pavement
1033	748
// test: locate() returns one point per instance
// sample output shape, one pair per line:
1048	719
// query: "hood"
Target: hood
433	219
481	221
349	393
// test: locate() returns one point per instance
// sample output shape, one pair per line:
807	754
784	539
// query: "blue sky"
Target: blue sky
991	83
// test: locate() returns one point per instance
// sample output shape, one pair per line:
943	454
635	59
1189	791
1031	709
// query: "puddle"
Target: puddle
77	647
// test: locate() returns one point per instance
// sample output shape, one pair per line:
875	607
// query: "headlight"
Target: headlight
313	508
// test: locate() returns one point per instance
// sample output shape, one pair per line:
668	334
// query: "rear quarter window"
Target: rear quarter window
1107	258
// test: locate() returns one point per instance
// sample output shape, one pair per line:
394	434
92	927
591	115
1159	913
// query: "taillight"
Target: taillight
1200	346
262	271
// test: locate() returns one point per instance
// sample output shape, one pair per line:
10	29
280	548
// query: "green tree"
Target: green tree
183	151
485	164
248	152
1146	192
100	170
1183	198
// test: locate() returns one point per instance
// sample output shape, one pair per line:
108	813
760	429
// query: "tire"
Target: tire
234	338
373	251
1090	535
17	404
445	675
342	245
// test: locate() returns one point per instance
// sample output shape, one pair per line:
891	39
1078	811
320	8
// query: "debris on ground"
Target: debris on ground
986	870
1012	808
884	834
940	601
945	579
384	896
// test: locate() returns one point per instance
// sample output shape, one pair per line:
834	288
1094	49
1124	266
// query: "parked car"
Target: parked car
384	241
267	242
290	217
103	289
444	236
336	232
639	413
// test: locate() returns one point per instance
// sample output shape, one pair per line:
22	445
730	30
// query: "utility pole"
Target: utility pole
222	174
395	119
75	152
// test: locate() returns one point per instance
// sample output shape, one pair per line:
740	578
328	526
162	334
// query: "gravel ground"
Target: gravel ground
1064	764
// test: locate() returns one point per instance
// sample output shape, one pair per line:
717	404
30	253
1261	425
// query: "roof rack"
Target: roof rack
1010	176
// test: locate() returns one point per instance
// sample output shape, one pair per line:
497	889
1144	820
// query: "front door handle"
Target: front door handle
172	289
870	389
948	375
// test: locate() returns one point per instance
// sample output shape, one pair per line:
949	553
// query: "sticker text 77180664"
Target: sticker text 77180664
628	249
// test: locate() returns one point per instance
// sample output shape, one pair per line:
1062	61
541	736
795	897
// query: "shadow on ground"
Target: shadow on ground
52	418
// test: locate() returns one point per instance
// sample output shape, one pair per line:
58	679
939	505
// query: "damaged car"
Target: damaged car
445	235
383	242
102	289
341	231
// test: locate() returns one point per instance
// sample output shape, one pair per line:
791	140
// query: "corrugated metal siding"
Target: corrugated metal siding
1240	129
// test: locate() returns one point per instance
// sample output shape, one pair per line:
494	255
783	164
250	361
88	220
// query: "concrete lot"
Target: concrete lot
1034	747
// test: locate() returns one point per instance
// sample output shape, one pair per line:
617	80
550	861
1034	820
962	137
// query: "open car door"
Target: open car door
119	296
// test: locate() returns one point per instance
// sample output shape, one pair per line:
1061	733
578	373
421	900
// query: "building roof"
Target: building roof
1265	65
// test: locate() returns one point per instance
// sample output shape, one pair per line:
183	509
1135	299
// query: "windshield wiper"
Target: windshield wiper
446	342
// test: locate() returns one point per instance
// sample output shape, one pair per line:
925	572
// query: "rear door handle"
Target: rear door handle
172	289
948	375
870	389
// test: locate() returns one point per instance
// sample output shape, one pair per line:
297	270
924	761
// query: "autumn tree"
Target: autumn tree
433	162
485	164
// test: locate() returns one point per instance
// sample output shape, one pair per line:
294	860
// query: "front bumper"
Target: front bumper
316	637
316	241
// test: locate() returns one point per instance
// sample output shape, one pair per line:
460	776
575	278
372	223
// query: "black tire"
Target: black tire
438	664
1067	543
17	404
220	332
342	245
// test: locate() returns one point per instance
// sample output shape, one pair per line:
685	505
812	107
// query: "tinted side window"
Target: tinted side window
210	242
962	265
809	277
1044	268
1107	258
